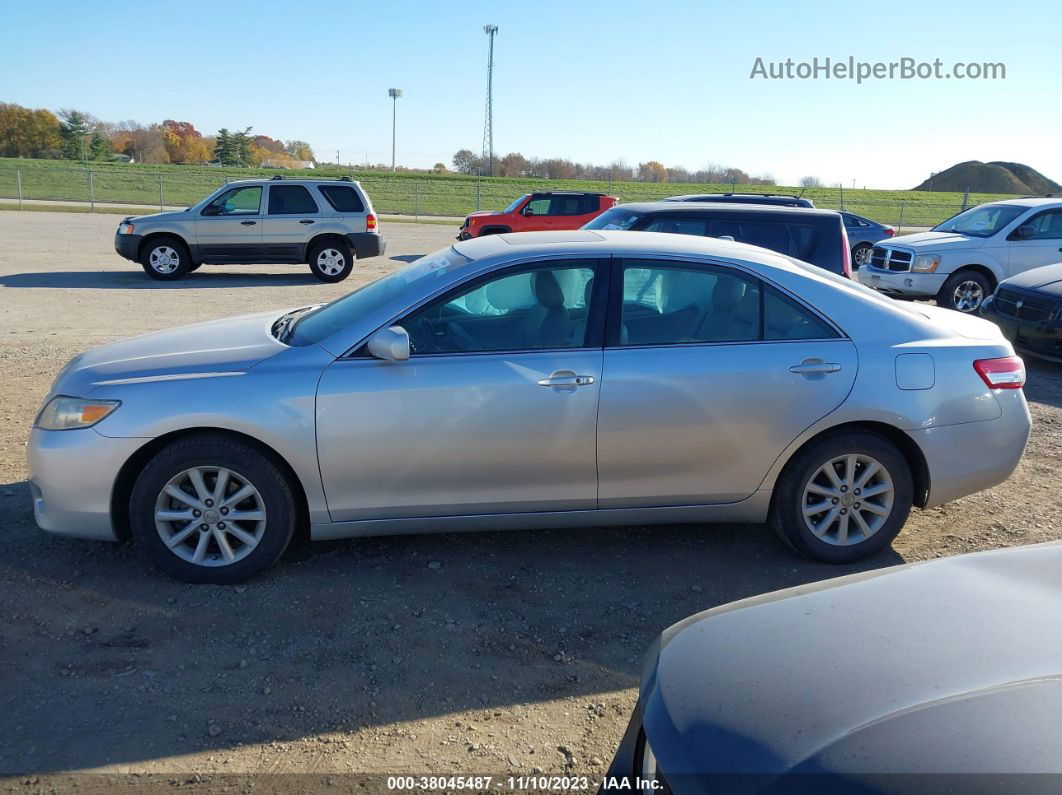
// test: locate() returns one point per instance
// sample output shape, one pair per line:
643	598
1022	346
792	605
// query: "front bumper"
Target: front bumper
367	244
1042	339
72	475
902	282
128	246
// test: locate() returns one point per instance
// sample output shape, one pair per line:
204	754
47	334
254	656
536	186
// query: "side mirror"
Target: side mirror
210	209
528	210
390	344
1023	232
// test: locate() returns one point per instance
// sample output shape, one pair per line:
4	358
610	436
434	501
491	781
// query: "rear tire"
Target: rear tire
861	255
196	483
964	291
862	506
331	261
165	258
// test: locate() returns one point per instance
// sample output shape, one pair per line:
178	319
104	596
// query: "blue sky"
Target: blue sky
590	81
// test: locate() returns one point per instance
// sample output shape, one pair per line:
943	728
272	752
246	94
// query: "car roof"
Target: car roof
293	180
720	207
1029	201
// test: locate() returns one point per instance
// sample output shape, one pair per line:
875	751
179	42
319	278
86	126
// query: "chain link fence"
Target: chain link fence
420	196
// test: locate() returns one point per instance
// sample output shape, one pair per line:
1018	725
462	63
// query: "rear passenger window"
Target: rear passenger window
679	226
343	198
785	319
291	200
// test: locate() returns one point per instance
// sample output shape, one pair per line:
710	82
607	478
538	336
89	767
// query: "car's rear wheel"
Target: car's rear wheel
964	291
861	254
843	497
209	509
165	258
331	261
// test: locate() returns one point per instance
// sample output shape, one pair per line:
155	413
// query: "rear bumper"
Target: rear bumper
367	244
128	246
901	282
72	475
1042	339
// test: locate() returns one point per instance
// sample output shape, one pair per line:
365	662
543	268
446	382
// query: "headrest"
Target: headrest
728	291
547	289
510	292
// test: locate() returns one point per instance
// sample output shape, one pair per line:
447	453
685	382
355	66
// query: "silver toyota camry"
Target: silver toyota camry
534	380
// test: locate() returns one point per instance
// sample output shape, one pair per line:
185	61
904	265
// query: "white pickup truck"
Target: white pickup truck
961	261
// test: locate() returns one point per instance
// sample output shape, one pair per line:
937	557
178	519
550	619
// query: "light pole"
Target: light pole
394	94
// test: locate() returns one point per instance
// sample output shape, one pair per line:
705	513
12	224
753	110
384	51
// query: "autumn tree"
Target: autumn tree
653	171
184	143
28	133
300	150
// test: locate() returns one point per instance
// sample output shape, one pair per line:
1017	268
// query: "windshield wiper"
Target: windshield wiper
285	324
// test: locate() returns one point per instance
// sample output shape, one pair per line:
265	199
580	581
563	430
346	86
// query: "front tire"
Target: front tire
861	255
843	498
331	261
964	291
210	509
165	259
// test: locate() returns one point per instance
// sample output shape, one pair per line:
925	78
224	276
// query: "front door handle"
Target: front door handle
248	223
566	378
305	221
814	366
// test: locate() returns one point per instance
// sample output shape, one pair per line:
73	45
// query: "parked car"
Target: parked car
815	236
326	223
536	212
775	199
534	380
862	235
916	678
961	261
1028	307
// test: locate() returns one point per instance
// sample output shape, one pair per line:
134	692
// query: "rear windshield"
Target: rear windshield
812	238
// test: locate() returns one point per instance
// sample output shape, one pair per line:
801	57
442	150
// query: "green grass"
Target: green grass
423	194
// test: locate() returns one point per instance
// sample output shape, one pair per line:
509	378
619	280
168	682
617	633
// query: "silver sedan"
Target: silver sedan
534	380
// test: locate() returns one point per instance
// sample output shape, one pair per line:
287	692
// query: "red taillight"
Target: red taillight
1005	373
889	231
846	254
370	223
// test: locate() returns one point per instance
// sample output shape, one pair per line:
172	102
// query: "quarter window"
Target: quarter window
531	309
291	200
343	198
238	201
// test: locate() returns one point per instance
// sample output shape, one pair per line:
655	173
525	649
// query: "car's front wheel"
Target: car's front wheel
861	254
843	497
210	509
165	259
964	291
331	261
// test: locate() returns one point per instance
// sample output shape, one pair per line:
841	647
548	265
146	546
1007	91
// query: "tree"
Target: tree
74	130
224	148
439	168
513	164
183	142
142	144
100	147
653	171
28	133
467	162
300	150
241	146
810	182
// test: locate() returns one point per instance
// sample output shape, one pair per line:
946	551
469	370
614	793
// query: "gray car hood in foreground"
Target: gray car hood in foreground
217	346
948	666
1047	279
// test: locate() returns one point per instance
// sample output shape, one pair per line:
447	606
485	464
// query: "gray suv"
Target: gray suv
325	223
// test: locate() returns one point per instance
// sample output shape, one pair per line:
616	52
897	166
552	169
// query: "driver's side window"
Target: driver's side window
238	201
537	207
530	309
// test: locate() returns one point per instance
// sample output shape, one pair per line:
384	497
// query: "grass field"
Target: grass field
423	194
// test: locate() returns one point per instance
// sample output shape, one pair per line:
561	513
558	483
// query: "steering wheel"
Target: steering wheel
423	336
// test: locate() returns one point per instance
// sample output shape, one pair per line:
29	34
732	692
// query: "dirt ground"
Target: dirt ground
481	652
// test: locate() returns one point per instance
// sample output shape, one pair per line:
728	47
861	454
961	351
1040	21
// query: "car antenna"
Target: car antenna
801	195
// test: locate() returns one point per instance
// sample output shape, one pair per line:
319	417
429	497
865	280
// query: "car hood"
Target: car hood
481	213
950	665
1047	279
181	215
217	346
937	241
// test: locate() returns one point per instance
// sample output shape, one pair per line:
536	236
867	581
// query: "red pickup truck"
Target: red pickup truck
534	212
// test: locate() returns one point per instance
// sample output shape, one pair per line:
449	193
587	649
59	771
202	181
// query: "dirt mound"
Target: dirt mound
994	177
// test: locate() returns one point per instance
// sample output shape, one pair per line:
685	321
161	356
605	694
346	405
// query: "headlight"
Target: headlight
66	413
125	229
926	263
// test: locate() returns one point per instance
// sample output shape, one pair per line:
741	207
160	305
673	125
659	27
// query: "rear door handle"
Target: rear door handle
305	221
812	367
248	223
566	378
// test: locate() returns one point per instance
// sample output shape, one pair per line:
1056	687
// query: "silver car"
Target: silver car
326	223
543	379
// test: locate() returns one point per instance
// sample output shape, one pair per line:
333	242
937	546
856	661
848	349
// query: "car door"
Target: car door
494	412
1038	243
229	228
538	214
291	220
709	373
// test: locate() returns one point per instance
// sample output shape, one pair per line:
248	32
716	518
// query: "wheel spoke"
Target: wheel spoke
879	488
818	507
822	491
196	476
849	470
243	535
869	472
223	544
863	526
177	538
246	516
876	509
221	484
182	496
842	529
201	548
239	496
174	516
826	522
831	473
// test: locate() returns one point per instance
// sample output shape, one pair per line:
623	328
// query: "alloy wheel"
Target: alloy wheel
862	256
847	499
210	516
164	259
331	262
968	296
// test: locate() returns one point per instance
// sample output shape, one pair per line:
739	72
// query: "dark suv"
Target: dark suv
815	236
774	199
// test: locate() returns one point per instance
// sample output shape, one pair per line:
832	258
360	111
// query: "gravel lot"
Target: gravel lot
486	652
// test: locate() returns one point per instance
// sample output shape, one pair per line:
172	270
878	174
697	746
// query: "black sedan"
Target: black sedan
930	677
1028	308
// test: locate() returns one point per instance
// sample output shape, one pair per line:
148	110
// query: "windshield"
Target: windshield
515	204
324	321
613	219
983	221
